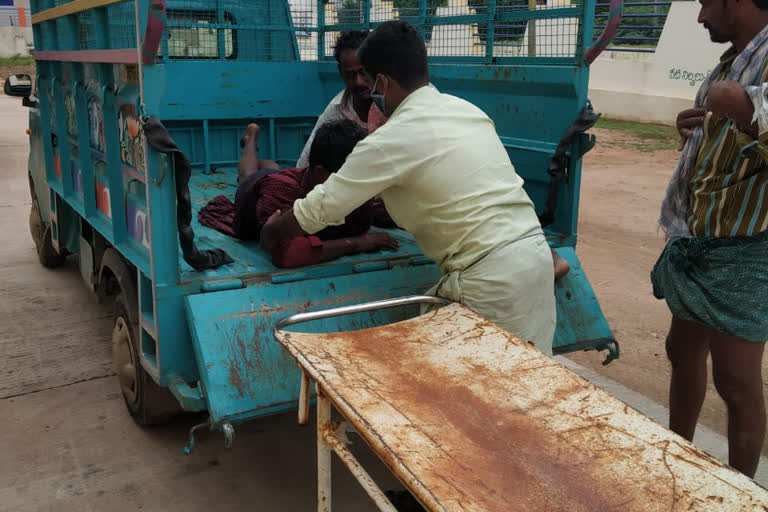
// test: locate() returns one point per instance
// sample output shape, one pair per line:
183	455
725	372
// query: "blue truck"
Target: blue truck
201	340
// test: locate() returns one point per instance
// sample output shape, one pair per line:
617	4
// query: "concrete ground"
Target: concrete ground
68	443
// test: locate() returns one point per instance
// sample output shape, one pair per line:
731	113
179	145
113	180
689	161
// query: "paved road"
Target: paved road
68	444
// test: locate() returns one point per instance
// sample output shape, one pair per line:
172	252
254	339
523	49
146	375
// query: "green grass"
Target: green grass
643	137
17	60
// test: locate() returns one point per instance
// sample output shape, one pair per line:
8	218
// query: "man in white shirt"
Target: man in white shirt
444	176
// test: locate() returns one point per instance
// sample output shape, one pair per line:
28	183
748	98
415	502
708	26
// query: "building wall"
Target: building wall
15	28
15	41
654	87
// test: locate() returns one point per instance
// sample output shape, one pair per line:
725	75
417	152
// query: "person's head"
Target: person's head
331	146
395	60
350	69
726	20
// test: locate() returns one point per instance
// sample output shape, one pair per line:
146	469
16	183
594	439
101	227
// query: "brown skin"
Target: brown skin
355	82
736	371
560	266
729	99
249	159
687	120
736	363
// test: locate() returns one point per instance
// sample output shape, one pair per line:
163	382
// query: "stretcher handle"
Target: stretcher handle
359	308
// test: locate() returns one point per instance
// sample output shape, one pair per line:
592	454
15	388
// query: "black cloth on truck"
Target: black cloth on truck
558	166
159	138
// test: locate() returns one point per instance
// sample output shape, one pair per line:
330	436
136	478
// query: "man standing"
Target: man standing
445	176
354	102
713	272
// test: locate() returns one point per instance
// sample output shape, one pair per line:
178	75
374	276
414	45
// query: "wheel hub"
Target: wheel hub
35	224
123	359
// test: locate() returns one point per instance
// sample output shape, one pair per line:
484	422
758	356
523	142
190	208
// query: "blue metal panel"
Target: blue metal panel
580	321
244	371
63	147
232	90
84	147
47	109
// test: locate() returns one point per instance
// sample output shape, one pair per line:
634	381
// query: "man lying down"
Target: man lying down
263	190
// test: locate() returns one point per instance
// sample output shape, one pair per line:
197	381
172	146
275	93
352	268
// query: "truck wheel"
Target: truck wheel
41	235
148	403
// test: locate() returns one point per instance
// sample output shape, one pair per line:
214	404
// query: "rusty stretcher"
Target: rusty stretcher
470	418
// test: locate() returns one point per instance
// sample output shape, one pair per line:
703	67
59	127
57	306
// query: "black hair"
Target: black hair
334	142
761	4
349	40
396	49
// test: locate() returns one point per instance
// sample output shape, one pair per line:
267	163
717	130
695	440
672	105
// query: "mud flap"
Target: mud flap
580	321
244	372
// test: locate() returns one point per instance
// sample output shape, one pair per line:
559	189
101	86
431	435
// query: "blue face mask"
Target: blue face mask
378	99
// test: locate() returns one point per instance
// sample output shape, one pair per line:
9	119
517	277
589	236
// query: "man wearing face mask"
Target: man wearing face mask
354	102
713	272
445	176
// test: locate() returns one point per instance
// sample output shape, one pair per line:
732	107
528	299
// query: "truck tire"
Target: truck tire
148	403
41	235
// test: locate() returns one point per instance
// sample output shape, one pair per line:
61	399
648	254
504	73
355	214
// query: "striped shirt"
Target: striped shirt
728	182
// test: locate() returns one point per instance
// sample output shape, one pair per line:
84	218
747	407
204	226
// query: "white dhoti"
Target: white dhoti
513	286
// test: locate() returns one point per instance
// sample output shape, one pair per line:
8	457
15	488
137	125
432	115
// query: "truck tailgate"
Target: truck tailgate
243	370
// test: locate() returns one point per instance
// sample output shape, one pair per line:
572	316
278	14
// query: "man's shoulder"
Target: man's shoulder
334	106
431	96
462	104
432	106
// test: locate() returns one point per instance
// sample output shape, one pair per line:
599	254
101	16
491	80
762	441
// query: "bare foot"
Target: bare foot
249	158
251	134
561	266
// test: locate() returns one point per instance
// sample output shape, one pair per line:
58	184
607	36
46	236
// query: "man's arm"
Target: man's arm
290	246
729	99
310	250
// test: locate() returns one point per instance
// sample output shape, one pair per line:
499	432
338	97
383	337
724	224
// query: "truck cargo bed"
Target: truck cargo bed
250	260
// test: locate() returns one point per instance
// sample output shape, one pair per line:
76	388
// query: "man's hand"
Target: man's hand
371	242
686	121
729	100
